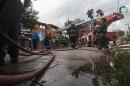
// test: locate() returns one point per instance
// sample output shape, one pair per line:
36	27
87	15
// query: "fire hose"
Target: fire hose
9	80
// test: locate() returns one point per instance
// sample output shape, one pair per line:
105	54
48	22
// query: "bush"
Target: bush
125	40
122	67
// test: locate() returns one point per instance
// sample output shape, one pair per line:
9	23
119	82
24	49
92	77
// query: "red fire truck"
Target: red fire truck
88	31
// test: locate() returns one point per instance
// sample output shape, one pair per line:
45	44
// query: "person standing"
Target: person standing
46	41
102	41
73	36
35	39
42	38
10	14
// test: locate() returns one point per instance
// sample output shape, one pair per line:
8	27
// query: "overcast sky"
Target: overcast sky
58	11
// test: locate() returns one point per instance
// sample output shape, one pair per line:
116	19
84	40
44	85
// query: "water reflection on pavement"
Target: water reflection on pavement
74	69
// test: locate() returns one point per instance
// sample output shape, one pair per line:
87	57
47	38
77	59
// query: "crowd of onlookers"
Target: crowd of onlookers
41	38
46	38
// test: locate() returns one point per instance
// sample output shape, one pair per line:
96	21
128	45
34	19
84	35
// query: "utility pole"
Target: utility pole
118	6
128	32
128	29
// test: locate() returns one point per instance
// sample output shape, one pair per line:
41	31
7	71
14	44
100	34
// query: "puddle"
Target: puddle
74	70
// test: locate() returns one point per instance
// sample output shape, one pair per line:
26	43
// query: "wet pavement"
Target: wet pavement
26	64
71	68
74	69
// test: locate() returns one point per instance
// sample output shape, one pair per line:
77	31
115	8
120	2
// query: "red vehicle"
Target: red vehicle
88	30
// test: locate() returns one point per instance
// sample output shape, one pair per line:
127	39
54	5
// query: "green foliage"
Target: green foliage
122	67
29	18
121	61
121	33
124	40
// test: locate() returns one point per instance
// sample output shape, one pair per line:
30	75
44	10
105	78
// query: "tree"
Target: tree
29	18
121	33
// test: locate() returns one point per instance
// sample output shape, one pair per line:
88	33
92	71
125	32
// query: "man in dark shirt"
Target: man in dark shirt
102	41
73	36
10	13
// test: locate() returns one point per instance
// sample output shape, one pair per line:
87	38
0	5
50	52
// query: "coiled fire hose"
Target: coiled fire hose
9	80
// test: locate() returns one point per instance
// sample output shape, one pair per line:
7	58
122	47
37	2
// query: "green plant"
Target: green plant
29	18
124	40
122	67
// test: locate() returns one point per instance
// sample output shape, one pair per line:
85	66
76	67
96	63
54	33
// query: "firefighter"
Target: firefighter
73	36
10	14
102	41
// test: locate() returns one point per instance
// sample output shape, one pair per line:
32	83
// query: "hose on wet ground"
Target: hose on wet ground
40	61
16	44
15	79
31	53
